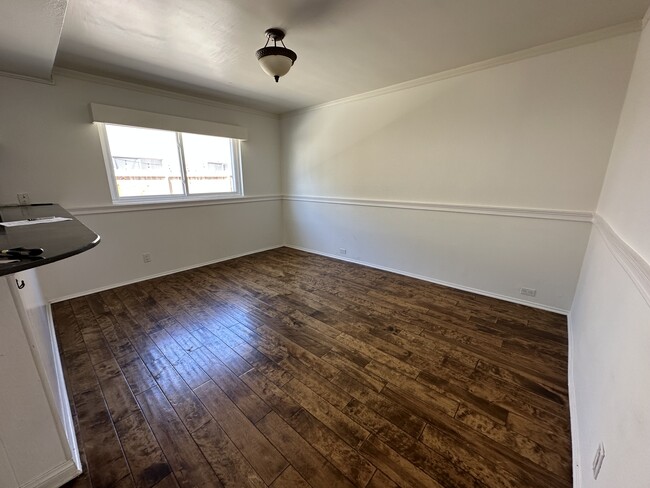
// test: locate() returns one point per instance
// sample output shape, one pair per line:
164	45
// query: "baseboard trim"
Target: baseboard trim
158	275
522	212
573	410
55	477
433	280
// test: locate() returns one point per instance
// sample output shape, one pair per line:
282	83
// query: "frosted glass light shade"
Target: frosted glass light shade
275	65
276	61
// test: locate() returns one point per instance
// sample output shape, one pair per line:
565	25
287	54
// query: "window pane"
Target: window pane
145	161
208	164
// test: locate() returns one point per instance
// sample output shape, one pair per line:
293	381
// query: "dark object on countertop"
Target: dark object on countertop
21	252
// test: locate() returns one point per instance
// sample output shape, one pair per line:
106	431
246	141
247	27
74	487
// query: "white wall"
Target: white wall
533	134
610	321
50	149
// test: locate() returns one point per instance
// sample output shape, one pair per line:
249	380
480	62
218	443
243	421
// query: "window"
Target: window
146	162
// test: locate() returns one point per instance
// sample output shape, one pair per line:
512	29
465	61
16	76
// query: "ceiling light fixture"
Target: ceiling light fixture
275	60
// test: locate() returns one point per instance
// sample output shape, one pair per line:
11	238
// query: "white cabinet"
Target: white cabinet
37	441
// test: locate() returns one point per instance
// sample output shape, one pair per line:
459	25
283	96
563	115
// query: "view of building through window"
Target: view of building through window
208	163
151	162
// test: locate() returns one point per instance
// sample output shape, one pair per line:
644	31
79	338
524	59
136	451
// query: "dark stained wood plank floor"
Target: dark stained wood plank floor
288	369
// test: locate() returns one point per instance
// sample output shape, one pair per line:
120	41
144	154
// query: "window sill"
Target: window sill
164	199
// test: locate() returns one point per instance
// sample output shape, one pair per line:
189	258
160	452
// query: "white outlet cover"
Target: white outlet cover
529	292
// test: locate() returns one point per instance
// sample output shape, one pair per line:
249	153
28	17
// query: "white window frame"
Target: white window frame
106	114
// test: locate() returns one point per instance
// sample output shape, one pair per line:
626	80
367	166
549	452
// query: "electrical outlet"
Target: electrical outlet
529	292
146	257
23	198
598	460
343	251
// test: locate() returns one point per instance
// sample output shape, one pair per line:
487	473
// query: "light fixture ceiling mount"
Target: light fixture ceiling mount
275	60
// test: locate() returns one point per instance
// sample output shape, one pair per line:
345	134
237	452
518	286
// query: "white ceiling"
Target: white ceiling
29	35
344	47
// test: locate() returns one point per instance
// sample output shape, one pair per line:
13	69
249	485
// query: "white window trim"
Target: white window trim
108	114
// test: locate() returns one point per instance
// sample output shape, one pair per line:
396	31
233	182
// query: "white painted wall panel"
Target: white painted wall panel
176	238
610	336
493	254
625	199
535	133
50	149
610	320
7	478
24	407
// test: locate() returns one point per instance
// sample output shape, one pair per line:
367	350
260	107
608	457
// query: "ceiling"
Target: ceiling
344	47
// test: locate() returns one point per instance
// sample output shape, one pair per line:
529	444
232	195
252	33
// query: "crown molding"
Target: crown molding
637	268
145	207
562	44
522	212
151	90
33	79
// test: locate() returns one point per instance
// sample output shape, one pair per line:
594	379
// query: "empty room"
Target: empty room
324	243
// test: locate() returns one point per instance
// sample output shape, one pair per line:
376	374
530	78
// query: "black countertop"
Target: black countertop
59	240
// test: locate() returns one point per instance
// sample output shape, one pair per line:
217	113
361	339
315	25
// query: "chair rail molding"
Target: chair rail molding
637	268
525	212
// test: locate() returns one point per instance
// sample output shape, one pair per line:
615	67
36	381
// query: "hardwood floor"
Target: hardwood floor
288	369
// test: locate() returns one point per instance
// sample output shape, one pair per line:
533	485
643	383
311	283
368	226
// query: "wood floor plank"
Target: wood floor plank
106	463
80	373
380	480
186	459
168	482
263	364
136	373
119	399
188	407
415	391
350	431
290	478
285	368
345	458
403	472
395	413
317	383
427	460
257	450
460	393
239	392
527	473
464	456
227	462
303	457
526	447
280	401
146	460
